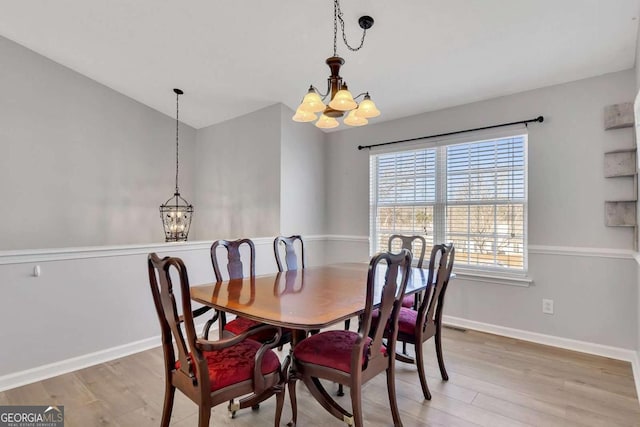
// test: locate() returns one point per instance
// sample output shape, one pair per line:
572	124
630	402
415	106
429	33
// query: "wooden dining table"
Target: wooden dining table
303	300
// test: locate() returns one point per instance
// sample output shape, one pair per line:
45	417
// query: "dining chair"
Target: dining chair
209	372
290	257
235	269
416	327
408	242
353	358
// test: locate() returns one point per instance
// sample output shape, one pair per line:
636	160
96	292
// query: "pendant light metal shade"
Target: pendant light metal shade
176	212
176	218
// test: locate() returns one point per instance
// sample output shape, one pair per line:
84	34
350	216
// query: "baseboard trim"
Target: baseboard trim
54	369
566	343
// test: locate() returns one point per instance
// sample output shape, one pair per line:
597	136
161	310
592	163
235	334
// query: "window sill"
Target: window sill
494	278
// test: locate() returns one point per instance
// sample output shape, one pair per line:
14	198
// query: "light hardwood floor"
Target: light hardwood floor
494	381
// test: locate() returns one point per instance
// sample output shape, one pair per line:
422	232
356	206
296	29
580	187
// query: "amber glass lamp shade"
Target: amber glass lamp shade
303	116
343	100
326	122
312	102
367	108
353	119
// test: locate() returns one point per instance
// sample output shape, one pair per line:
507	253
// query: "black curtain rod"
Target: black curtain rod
538	119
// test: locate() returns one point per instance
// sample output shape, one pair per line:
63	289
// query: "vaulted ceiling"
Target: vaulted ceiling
234	57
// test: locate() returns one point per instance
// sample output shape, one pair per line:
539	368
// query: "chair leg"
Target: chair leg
438	340
204	414
421	373
279	405
222	322
340	392
356	405
170	392
393	400
291	385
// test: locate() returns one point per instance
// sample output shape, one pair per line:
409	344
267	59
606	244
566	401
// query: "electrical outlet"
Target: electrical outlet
547	306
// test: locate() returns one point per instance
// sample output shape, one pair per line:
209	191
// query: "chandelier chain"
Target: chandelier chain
177	143
337	16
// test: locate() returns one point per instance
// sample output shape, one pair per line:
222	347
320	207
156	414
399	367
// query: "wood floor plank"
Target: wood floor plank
520	413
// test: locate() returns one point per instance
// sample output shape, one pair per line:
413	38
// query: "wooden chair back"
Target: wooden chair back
290	257
391	295
189	380
408	242
234	258
440	265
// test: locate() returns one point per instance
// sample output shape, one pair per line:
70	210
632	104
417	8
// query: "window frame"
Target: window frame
492	273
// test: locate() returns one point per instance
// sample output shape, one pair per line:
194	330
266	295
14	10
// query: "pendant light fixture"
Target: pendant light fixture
340	99
176	212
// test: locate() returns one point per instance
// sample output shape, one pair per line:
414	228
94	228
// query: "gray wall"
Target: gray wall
82	165
238	177
260	174
302	179
595	297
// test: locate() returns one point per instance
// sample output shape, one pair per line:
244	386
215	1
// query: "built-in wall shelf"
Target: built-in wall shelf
618	116
620	163
620	213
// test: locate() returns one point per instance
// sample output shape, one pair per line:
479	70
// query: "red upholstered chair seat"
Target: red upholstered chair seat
406	320
331	349
235	364
240	325
408	301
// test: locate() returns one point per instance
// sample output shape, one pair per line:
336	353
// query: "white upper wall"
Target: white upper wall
82	165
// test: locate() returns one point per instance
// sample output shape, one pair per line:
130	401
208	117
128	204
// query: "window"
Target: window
473	194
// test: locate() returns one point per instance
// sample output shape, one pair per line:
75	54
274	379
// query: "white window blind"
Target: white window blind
473	194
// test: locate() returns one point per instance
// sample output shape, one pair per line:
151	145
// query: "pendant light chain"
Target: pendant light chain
177	141
337	16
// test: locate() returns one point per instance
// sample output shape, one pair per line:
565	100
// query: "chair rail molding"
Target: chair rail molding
582	251
71	253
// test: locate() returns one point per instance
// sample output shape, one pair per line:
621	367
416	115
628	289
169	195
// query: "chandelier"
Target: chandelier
176	212
341	101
